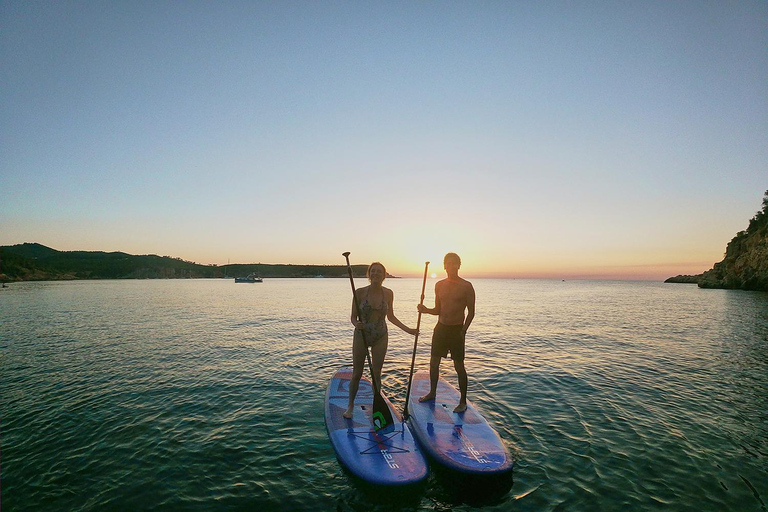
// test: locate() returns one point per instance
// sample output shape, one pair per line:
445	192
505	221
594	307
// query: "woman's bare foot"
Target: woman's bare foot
461	407
427	397
348	414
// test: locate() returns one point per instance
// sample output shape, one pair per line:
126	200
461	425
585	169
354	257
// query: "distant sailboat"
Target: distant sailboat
250	278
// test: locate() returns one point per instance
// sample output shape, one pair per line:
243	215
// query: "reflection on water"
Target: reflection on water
203	395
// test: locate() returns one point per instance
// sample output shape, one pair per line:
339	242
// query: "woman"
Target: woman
376	306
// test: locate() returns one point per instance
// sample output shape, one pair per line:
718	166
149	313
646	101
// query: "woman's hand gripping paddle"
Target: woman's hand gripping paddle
415	341
382	416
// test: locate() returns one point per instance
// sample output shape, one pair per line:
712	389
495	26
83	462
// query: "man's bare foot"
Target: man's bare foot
427	397
348	414
461	407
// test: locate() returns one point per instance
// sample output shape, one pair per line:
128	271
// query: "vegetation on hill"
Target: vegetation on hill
35	262
745	264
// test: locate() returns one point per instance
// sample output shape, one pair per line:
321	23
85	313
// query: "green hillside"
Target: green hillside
35	262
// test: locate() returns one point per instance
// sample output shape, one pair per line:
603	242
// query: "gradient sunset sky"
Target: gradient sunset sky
623	140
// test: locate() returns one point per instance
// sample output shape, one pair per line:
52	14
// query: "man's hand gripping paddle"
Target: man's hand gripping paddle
382	416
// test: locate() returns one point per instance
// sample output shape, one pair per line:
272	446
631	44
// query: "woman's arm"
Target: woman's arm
391	313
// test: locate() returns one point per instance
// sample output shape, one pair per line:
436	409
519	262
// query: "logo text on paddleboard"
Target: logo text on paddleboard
469	446
389	459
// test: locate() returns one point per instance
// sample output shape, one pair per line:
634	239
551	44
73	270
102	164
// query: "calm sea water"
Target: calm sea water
206	395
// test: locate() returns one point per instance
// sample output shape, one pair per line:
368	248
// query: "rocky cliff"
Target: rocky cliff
745	265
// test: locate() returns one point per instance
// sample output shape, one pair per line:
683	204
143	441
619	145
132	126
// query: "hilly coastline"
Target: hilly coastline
745	264
36	262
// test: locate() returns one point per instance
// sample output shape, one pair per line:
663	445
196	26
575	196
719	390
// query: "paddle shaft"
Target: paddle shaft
415	342
378	402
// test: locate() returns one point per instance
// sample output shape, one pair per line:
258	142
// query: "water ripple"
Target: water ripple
202	395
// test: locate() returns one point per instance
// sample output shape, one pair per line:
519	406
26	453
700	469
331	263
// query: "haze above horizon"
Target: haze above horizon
544	139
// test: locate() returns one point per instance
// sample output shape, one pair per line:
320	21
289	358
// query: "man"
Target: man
453	296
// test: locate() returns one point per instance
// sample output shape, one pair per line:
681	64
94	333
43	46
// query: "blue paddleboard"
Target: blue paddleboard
462	441
391	458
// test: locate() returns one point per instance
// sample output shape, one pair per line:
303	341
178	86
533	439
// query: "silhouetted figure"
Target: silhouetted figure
453	296
376	307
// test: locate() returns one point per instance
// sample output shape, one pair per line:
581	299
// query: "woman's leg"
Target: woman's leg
358	360
378	353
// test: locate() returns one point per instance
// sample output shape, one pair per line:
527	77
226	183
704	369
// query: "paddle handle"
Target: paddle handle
415	342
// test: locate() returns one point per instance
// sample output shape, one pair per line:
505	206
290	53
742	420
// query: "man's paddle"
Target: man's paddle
415	341
382	416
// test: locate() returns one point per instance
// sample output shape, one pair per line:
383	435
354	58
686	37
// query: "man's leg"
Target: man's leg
434	373
463	384
457	351
434	365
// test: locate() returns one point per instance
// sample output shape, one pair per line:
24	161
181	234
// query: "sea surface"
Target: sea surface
206	395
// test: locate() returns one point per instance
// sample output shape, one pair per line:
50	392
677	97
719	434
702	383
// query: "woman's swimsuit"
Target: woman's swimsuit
375	320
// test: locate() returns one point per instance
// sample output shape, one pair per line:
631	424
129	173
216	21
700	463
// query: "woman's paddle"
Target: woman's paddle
382	416
415	341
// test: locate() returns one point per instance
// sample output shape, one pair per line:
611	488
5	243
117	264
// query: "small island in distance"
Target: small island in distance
745	264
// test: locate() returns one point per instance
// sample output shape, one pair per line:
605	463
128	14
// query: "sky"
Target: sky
605	140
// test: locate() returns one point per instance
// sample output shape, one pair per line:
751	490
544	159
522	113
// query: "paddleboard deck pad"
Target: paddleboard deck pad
463	441
386	458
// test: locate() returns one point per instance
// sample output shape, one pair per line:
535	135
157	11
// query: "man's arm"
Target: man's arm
470	308
435	310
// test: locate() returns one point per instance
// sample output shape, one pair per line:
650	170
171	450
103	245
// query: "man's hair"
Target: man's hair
452	256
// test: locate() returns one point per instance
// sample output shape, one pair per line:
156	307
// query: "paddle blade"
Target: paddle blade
382	416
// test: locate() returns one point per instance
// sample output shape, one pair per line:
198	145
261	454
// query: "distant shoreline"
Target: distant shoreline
36	262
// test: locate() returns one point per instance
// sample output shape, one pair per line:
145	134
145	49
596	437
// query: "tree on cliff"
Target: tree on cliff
745	264
761	218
